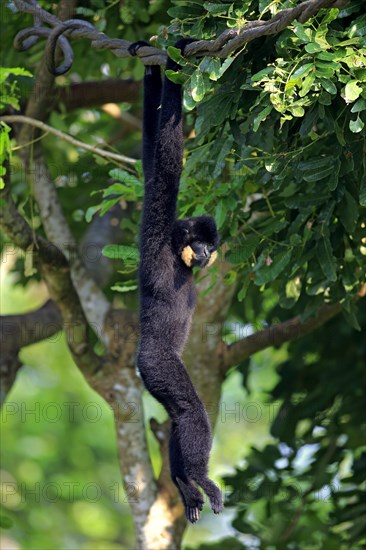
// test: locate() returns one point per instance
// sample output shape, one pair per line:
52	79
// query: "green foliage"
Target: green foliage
10	92
5	150
307	489
127	187
9	97
285	127
128	254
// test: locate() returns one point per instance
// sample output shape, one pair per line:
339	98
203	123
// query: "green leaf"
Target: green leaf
302	32
313	47
297	111
242	252
246	284
351	91
216	109
363	193
17	71
129	254
214	72
306	85
216	9
226	64
261	116
359	106
302	71
220	214
175	54
306	201
124	176
124	287
266	273
197	86
257	77
357	125
315	164
326	259
185	11
358	27
350	312
188	101
176	77
348	212
90	212
318	175
328	85
107	204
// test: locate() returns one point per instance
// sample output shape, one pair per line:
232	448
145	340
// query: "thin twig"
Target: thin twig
46	128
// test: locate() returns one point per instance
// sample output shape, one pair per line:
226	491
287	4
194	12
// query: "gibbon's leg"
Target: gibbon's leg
195	438
168	381
191	496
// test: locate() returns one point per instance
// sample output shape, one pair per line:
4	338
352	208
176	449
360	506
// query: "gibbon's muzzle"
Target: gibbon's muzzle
200	257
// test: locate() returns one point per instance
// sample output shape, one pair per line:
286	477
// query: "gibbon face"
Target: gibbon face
196	241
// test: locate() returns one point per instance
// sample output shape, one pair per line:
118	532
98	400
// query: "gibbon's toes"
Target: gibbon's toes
216	504
192	514
193	499
135	46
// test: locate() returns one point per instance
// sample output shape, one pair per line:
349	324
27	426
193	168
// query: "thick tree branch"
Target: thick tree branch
18	331
95	93
229	41
65	137
94	302
277	334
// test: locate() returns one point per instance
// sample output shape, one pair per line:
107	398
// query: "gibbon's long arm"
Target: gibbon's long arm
162	190
151	118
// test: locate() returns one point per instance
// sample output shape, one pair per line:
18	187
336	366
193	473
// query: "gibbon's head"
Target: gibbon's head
196	240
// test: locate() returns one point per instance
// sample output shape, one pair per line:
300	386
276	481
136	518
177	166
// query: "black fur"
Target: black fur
167	293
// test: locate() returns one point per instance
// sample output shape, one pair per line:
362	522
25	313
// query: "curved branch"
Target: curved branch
227	42
278	334
46	128
18	331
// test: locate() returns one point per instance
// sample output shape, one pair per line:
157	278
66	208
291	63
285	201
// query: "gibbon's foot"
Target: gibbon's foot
216	504
135	46
213	493
193	499
192	514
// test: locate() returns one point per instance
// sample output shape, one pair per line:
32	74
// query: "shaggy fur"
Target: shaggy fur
167	293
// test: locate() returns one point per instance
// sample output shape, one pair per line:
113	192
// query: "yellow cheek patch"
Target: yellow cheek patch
212	258
188	255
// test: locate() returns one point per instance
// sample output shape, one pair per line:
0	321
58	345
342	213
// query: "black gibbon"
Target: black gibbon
169	248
